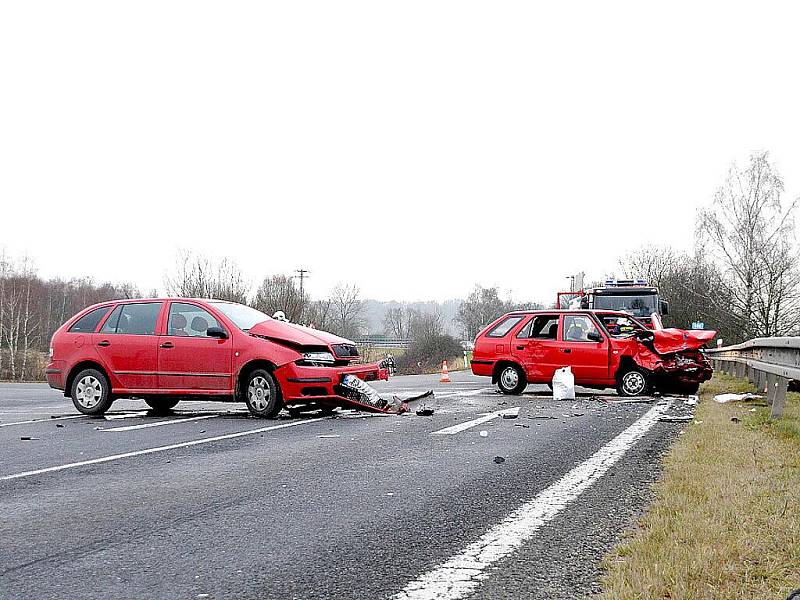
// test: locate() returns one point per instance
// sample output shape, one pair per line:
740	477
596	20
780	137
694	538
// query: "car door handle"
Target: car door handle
520	347
104	343
566	350
167	345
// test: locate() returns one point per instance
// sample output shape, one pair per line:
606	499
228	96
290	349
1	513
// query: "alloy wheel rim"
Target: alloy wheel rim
510	378
633	383
89	391
259	393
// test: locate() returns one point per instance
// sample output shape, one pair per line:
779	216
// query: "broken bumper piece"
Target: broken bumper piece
361	395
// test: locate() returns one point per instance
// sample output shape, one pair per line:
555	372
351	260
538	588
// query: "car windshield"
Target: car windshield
638	305
242	316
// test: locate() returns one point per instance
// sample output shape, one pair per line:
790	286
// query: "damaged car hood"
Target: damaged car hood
668	341
296	334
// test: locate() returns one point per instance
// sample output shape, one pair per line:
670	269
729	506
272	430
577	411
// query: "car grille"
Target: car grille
345	350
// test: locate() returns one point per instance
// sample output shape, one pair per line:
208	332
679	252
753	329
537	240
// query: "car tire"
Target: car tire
262	394
511	380
633	382
91	392
161	405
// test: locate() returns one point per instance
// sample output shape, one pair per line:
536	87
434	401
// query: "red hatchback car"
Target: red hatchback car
165	350
603	348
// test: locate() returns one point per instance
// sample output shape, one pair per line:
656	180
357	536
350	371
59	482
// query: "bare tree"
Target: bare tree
347	311
397	322
199	277
481	307
749	232
280	292
652	263
319	314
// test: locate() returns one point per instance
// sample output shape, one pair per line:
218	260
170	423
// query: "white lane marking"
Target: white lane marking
41	420
140	413
465	393
208	440
470	424
158	423
462	573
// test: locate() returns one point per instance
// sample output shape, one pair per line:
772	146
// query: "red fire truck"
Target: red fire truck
633	296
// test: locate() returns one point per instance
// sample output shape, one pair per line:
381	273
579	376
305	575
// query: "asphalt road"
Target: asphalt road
211	503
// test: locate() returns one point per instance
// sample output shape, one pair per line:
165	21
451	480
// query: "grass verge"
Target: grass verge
725	520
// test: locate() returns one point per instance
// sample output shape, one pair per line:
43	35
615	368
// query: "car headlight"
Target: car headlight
318	357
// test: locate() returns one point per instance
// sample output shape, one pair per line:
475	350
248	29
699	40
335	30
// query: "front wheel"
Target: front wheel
91	392
511	380
262	395
633	382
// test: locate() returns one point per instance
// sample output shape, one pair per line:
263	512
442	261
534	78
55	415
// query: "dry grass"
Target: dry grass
725	521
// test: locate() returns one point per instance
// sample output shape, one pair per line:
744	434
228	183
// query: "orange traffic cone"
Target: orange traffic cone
445	378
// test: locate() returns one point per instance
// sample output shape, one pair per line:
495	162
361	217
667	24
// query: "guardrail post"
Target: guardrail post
761	381
772	382
779	398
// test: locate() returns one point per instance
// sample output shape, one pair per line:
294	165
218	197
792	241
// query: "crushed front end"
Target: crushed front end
675	359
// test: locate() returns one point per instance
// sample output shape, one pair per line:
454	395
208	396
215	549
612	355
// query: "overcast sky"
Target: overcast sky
415	148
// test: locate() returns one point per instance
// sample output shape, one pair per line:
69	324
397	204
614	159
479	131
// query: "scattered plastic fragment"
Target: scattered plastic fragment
511	413
735	419
522	425
27	438
484	433
541	417
59	424
499	460
423	411
723	398
329	436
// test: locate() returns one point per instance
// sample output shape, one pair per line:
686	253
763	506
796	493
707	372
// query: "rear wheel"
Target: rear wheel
511	380
633	382
161	405
91	392
262	395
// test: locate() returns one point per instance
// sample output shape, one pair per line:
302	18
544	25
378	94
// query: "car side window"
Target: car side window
88	322
525	332
578	327
110	326
503	327
544	327
188	320
134	319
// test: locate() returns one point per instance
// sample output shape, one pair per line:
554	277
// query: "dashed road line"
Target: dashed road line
470	424
460	575
158	423
208	440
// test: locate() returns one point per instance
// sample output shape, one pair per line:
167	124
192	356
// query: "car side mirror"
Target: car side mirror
663	306
217	332
593	336
645	336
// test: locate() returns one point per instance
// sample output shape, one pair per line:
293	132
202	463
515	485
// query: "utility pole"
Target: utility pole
302	274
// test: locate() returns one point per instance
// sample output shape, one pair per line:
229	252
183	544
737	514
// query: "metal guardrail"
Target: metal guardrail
768	363
384	343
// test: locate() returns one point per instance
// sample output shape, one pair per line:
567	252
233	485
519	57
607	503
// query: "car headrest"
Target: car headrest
199	324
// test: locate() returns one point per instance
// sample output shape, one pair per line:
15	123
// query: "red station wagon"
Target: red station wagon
603	348
165	350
